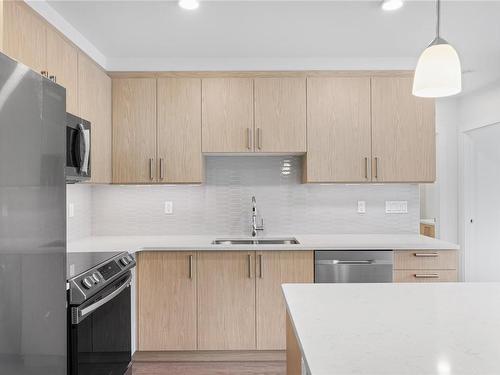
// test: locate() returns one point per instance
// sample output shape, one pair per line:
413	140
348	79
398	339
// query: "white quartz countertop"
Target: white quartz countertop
307	242
397	329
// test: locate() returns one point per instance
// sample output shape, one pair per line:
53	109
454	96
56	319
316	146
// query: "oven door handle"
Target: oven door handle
79	314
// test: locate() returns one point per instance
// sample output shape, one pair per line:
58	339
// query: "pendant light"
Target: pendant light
438	73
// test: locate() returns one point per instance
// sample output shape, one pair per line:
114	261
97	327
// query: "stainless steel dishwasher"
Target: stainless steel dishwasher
353	266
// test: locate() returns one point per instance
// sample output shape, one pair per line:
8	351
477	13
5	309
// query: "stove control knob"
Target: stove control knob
95	277
87	282
124	261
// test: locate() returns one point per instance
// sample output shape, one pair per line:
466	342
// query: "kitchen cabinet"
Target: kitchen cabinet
134	130
403	132
227	114
280	115
94	103
24	36
273	269
166	300
226	300
62	63
338	129
425	266
179	131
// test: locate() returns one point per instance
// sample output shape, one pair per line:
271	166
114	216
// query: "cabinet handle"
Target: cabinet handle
45	73
151	169
259	138
366	168
190	266
426	255
260	265
376	167
249	138
249	266
53	79
161	168
427	276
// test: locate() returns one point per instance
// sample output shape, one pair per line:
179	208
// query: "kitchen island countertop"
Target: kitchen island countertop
396	329
135	244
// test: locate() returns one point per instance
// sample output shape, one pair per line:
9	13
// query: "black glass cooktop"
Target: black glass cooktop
78	263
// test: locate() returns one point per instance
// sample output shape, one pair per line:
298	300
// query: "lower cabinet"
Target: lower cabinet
273	269
166	301
425	266
226	300
215	300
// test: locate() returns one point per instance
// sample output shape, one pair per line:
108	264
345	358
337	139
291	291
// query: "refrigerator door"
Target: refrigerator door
33	331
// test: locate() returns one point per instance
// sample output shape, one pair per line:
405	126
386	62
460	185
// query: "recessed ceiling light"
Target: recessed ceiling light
392	4
189	4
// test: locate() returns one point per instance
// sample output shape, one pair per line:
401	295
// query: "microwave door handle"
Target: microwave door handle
86	142
79	314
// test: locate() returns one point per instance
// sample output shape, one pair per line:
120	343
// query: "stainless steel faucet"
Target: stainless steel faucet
255	227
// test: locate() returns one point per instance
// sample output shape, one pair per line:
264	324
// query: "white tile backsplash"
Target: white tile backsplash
222	205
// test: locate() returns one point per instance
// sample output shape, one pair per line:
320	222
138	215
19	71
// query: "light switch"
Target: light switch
71	210
169	207
396	207
361	207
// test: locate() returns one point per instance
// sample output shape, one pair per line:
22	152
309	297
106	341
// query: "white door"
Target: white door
482	204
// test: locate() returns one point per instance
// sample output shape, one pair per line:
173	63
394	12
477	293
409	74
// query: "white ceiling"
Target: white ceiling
267	35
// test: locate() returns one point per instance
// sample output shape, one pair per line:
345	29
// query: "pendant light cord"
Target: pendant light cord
438	15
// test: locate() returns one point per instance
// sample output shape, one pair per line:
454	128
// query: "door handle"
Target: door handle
426	276
161	168
376	167
151	169
249	266
259	138
190	266
249	138
366	168
260	266
426	255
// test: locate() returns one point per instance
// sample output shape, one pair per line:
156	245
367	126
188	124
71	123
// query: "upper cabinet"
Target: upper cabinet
227	114
27	38
94	99
179	130
338	129
403	132
62	63
363	129
134	130
280	115
24	36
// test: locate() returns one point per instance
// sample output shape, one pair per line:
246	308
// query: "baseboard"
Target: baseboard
211	356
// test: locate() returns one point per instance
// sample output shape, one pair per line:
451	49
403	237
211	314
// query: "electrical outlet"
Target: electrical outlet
396	207
71	210
169	208
361	207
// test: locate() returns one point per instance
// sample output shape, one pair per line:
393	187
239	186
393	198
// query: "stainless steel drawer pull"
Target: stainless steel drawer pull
427	276
260	266
426	255
376	167
366	168
161	168
259	138
249	138
151	169
249	266
190	266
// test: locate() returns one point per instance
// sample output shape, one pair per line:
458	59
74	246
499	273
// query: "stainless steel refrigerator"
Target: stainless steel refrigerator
33	331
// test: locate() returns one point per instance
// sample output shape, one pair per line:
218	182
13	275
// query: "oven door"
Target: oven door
78	149
99	332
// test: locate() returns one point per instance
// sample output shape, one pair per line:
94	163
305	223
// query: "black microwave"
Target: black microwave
78	149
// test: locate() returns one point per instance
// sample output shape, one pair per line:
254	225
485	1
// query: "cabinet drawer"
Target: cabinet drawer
425	276
425	260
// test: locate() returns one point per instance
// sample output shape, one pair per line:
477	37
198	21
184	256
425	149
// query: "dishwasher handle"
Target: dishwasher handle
333	262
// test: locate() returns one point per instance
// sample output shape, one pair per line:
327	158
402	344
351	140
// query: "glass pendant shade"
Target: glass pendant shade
438	71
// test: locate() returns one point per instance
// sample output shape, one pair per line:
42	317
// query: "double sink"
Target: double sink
261	241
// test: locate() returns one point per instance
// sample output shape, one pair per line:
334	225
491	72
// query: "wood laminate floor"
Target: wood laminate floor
210	368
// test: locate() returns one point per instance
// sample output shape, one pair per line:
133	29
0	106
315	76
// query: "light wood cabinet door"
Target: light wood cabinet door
280	114
134	130
179	130
62	63
338	129
94	103
24	35
166	306
227	114
274	268
226	300
403	132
